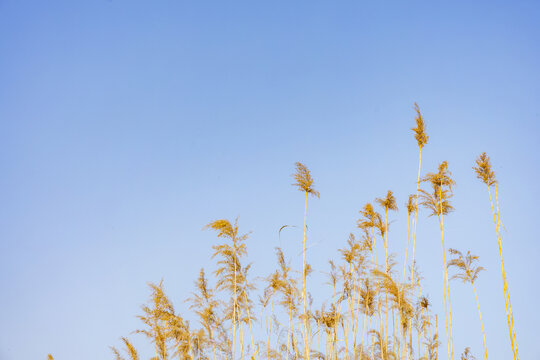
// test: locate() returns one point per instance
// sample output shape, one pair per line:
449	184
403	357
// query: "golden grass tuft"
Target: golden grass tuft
420	129
303	179
483	170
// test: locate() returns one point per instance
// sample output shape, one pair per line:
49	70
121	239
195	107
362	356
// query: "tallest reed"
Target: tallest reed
304	182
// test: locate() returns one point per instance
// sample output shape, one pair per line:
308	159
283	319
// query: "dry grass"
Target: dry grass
371	311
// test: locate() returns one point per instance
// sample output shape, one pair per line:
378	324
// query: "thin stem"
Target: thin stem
415	220
306	336
481	322
496	220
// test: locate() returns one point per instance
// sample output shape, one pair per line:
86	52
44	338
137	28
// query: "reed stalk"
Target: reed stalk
304	182
485	173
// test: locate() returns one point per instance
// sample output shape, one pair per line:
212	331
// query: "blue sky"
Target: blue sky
126	126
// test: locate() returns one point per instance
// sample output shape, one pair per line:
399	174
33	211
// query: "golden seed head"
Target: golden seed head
410	205
441	179
441	182
304	181
368	211
224	228
424	302
369	217
389	202
420	129
130	349
467	270
483	170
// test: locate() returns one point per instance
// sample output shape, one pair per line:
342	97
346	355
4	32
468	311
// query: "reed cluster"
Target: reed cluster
372	311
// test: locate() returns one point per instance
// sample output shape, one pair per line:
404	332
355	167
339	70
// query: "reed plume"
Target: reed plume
420	129
388	203
411	209
467	355
130	349
483	170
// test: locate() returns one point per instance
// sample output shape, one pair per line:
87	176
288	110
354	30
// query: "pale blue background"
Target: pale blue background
126	126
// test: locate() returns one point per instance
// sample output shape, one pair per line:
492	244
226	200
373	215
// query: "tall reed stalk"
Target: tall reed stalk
304	182
438	203
229	268
485	173
421	139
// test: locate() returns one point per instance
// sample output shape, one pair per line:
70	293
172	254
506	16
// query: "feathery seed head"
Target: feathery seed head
223	227
379	224
467	354
441	178
484	171
441	182
369	217
420	131
410	205
424	302
304	181
389	202
133	355
368	210
274	281
467	270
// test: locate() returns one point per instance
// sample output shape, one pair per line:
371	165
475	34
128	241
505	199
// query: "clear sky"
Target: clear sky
126	126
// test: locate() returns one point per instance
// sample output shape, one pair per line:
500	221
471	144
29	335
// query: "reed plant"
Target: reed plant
467	271
485	173
437	201
304	182
421	139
